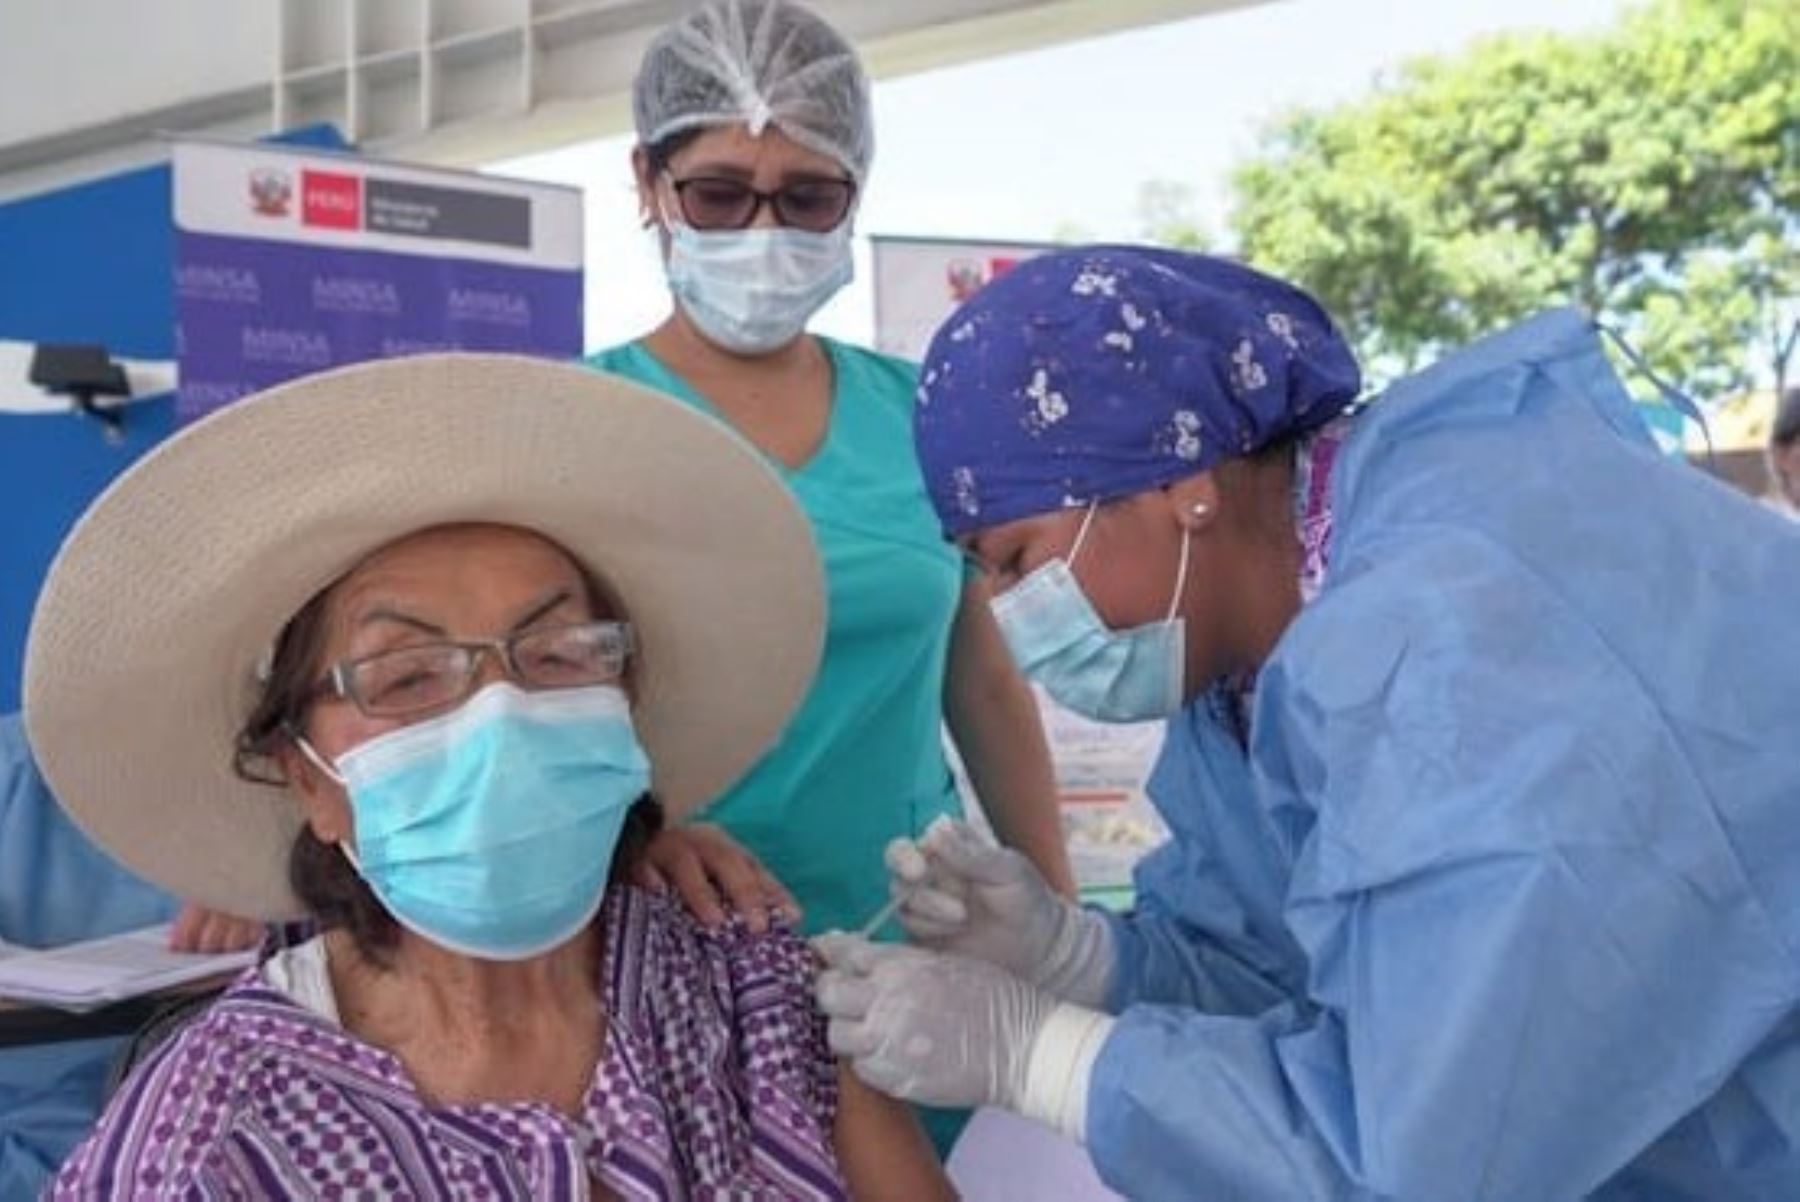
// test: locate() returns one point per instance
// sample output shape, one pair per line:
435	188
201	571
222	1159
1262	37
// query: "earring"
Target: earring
1201	509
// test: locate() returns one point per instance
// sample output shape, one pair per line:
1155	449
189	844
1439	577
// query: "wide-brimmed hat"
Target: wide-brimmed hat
144	650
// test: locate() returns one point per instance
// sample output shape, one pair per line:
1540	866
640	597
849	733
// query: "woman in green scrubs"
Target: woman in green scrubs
753	121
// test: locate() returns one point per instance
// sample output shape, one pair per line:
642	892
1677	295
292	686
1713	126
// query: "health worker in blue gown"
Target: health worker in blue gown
1482	764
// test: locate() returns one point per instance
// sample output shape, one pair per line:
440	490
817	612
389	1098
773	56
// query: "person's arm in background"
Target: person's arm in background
197	929
56	887
994	721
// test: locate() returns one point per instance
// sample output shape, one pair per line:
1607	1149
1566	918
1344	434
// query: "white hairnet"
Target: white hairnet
760	62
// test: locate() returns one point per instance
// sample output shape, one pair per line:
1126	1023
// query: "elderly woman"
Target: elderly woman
459	611
1480	769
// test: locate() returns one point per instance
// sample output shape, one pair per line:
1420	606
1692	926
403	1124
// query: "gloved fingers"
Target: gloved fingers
903	974
941	822
852	1040
931	934
933	914
906	864
945	831
884	1076
957	849
846	951
844	995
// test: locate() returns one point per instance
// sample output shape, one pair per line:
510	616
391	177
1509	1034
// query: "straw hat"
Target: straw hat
144	647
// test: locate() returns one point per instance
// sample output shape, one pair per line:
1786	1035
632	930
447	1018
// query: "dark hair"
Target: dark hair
334	895
659	153
1787	420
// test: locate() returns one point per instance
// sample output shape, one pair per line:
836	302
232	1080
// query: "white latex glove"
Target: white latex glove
950	1031
963	894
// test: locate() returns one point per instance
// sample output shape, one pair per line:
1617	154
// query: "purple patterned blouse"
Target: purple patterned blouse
716	1083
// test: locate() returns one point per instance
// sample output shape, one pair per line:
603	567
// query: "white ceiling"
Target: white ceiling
86	86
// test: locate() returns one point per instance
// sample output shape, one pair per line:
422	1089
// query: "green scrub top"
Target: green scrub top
863	760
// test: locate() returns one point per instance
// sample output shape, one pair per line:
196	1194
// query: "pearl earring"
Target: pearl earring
1201	509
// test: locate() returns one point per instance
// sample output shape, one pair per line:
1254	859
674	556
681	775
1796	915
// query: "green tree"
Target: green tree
1168	214
1650	173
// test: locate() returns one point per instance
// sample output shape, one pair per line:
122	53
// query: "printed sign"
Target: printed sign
1101	769
919	281
290	262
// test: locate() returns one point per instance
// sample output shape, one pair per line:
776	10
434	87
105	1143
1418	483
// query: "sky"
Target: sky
1039	144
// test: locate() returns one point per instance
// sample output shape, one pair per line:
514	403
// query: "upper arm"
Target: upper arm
988	704
994	719
978	651
881	1148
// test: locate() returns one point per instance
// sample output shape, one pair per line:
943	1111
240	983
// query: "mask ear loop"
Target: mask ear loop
1081	534
318	761
1181	572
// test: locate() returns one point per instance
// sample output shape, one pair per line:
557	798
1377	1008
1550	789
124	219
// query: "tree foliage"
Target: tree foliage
1168	211
1650	173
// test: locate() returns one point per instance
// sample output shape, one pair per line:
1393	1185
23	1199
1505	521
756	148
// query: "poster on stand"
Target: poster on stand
289	262
919	281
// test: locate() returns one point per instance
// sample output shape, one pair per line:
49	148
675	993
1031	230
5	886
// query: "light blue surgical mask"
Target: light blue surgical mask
1060	641
753	291
490	830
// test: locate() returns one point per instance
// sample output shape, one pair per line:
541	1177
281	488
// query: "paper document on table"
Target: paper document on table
82	976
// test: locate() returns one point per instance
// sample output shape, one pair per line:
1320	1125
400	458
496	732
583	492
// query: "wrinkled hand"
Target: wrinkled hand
933	1028
967	896
711	870
200	930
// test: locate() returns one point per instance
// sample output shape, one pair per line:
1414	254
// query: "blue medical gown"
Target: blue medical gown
55	887
1504	900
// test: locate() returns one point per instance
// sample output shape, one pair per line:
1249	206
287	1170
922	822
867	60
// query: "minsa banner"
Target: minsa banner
289	262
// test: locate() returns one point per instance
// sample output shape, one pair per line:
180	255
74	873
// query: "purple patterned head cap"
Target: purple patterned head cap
1104	371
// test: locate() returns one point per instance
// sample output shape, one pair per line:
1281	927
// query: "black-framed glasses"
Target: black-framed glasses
818	204
418	679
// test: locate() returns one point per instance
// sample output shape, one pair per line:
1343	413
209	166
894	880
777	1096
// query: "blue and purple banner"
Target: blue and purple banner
288	263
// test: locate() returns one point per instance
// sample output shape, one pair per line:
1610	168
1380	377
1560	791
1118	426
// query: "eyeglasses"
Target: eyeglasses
710	202
433	676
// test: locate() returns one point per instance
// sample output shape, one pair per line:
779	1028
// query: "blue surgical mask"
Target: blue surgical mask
753	291
1059	641
490	830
